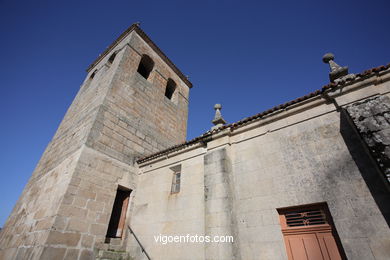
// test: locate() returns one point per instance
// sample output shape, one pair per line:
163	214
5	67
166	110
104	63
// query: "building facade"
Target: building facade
304	180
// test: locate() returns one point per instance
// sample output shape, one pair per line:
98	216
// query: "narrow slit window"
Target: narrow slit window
170	89
145	66
176	180
118	215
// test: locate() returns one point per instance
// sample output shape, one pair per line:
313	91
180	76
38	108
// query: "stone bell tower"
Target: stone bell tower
133	102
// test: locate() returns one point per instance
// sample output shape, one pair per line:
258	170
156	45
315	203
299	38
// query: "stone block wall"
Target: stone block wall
220	218
372	120
35	214
303	164
82	219
72	222
46	192
156	211
136	118
300	156
117	116
142	101
75	127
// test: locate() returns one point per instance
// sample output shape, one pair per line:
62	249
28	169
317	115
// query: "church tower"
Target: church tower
133	102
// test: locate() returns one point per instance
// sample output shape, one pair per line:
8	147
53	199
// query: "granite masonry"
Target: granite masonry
119	171
372	118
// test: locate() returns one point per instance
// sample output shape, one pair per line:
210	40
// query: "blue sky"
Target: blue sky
247	55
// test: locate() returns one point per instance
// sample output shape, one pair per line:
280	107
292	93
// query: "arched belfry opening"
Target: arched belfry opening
145	66
112	58
90	78
170	89
93	74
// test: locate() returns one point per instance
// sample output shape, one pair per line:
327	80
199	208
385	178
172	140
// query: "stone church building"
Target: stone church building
308	179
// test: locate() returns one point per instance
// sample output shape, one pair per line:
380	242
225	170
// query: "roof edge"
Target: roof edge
206	136
135	27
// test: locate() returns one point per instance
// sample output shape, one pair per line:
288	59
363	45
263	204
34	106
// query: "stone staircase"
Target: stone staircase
118	249
115	250
121	255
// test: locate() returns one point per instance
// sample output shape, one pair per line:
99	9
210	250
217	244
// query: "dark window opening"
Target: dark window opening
145	66
170	89
93	74
112	58
118	215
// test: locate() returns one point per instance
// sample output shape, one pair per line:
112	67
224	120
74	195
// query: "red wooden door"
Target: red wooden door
309	234
311	244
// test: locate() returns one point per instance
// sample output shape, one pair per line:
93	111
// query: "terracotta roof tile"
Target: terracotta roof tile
330	87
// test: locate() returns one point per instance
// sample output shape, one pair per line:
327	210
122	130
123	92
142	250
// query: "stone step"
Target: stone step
115	241
113	255
115	244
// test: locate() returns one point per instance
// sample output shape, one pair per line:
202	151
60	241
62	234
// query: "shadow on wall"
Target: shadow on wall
366	164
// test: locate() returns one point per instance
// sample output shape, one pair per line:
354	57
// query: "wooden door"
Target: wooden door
311	245
309	234
122	219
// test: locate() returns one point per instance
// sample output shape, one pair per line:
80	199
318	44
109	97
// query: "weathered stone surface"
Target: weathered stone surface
78	225
65	239
87	241
50	253
71	254
308	160
87	255
371	117
219	212
97	229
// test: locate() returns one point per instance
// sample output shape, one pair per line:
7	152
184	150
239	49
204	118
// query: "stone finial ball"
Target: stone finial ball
328	57
217	106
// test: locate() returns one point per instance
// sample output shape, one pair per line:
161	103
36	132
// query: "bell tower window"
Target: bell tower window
170	89
145	66
112	58
93	74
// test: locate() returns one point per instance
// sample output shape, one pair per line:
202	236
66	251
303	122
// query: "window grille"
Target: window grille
305	218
